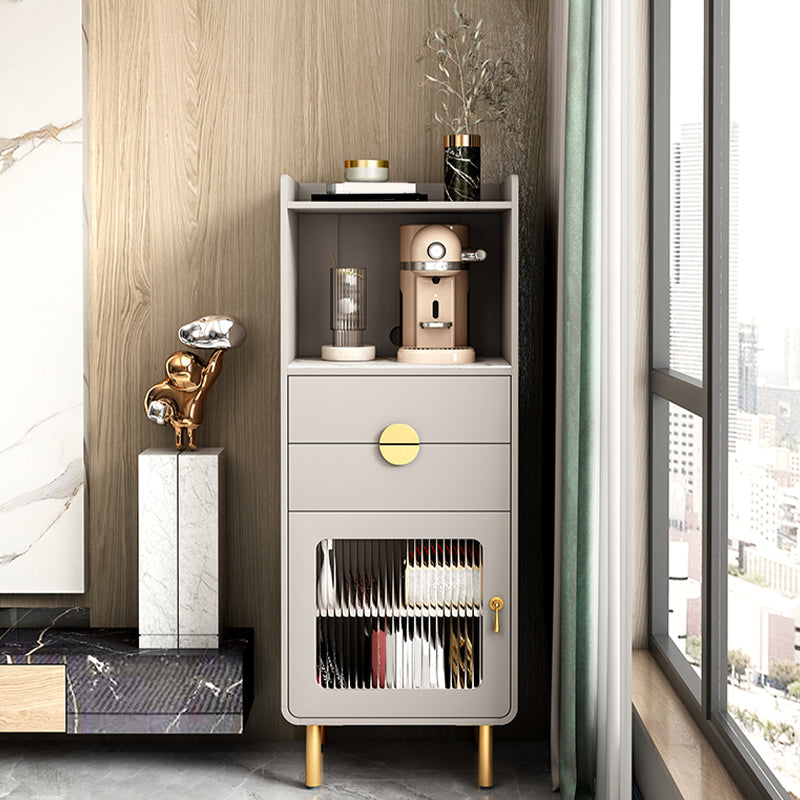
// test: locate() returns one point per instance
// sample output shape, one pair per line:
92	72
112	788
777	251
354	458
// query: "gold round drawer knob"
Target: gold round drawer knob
399	444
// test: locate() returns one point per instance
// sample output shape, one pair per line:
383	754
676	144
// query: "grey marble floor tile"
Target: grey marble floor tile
269	771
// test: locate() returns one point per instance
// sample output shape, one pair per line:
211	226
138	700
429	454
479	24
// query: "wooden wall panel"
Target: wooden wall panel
195	109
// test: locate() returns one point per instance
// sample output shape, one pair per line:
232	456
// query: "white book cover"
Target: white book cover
365	187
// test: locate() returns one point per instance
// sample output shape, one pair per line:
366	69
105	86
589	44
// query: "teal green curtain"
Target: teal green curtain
580	403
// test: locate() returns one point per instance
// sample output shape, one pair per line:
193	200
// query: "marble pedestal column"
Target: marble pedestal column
180	547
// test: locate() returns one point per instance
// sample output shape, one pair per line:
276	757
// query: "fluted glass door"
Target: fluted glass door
399	613
384	625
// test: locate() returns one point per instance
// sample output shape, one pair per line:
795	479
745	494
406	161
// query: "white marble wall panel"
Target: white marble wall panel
42	289
200	488
158	548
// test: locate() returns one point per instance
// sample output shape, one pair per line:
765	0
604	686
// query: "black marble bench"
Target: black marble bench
114	687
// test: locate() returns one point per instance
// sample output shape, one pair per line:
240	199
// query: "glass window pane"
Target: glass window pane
685	552
686	188
764	432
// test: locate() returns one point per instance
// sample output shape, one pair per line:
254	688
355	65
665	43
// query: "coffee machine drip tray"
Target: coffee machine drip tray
436	355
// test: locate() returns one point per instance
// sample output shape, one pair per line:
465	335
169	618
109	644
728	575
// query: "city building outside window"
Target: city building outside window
725	377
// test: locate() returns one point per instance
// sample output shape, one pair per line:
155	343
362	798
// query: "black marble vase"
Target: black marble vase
462	167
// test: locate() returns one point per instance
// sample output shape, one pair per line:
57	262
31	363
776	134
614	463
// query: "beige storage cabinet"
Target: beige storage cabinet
398	484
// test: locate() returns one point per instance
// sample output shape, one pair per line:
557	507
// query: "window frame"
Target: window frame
706	697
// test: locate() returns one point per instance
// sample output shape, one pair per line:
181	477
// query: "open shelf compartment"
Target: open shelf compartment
367	234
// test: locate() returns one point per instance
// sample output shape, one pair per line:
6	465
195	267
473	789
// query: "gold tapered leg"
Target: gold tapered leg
313	756
485	757
323	733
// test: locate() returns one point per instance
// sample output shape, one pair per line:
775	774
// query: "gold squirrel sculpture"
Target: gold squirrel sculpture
183	394
180	399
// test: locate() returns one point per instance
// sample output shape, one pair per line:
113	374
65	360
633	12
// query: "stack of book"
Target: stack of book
399	652
359	191
399	613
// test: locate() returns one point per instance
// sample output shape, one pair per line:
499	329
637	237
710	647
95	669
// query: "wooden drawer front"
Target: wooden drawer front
33	699
443	477
463	408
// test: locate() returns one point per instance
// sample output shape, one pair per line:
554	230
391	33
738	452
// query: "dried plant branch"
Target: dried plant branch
471	89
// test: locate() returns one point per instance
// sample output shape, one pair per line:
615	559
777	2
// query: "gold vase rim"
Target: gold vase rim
462	140
365	162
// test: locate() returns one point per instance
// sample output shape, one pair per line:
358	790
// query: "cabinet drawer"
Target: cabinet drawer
443	477
32	699
463	408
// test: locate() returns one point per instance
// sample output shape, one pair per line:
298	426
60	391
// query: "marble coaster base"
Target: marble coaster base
332	353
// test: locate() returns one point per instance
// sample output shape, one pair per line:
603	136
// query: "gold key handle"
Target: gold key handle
496	604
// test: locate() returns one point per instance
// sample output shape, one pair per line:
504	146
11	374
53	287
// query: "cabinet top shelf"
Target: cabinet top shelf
497	197
394	207
388	366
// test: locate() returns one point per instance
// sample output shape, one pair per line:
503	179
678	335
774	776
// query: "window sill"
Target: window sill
688	759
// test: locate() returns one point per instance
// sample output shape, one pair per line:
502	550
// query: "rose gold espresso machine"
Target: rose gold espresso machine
434	289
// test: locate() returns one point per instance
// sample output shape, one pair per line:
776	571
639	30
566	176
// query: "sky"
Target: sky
765	102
